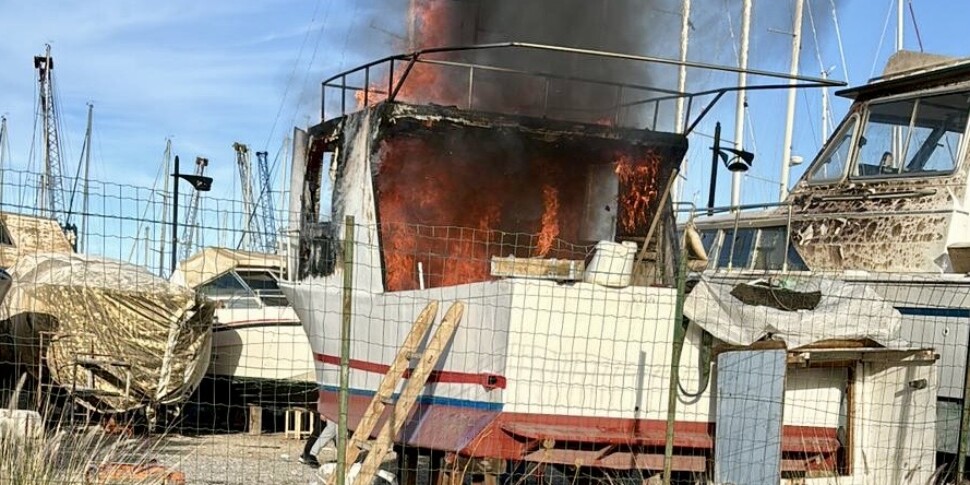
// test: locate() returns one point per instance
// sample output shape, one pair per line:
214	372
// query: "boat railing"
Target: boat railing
385	78
786	208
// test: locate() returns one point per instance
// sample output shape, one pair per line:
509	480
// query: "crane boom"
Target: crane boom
266	201
251	236
191	219
51	195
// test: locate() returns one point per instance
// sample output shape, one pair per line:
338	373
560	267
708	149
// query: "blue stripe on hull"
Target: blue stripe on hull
934	312
427	400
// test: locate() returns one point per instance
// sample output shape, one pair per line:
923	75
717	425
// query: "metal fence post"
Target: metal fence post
679	335
964	419
348	305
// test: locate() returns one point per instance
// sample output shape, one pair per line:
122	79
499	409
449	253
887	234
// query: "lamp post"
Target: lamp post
199	183
737	161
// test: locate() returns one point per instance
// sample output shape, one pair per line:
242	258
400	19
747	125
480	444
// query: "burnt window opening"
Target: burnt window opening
327	175
318	244
320	247
449	198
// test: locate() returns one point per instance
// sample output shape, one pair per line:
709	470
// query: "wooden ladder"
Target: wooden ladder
380	447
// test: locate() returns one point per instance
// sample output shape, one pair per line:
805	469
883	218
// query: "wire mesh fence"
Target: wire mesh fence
452	354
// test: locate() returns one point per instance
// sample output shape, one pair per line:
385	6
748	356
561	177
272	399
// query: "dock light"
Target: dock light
200	183
741	161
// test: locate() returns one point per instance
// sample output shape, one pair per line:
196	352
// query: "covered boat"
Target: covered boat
112	335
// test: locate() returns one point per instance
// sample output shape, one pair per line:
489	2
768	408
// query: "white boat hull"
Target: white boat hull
268	344
541	360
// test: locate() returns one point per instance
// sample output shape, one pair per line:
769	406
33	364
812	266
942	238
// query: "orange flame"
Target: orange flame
638	188
414	227
425	83
550	220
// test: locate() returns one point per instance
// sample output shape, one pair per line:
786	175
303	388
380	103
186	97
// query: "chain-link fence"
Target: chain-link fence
457	352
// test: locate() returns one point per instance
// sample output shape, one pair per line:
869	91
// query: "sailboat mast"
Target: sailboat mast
3	141
796	47
3	153
165	175
82	239
682	74
897	131
682	86
899	25
825	109
742	98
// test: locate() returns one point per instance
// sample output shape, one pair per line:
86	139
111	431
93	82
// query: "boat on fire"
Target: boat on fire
884	203
562	361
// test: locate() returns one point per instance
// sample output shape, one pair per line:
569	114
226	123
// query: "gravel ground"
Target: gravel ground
239	459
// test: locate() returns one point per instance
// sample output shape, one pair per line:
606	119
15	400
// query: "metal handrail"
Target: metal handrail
744	207
394	85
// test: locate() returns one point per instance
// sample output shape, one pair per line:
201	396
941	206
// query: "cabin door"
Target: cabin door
750	404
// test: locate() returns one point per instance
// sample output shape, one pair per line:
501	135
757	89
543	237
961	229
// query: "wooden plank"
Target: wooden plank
413	388
255	420
421	327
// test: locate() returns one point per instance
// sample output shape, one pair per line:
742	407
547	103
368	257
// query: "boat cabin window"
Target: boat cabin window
754	249
736	251
230	291
769	253
833	161
708	238
265	285
910	137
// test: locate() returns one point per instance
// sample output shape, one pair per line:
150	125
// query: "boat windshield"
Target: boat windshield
917	136
265	285
229	290
831	165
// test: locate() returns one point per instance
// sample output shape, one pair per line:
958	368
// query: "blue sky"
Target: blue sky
211	73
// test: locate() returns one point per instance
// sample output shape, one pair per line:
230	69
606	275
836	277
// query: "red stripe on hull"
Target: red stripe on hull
590	441
488	381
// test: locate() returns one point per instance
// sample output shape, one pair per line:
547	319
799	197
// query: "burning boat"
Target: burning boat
258	344
565	362
884	204
111	336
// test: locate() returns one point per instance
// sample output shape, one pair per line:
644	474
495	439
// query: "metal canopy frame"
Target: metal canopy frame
394	85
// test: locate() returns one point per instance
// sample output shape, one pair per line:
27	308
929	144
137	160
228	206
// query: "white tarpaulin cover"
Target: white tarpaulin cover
845	311
116	335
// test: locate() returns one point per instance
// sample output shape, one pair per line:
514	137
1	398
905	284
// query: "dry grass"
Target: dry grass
66	455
